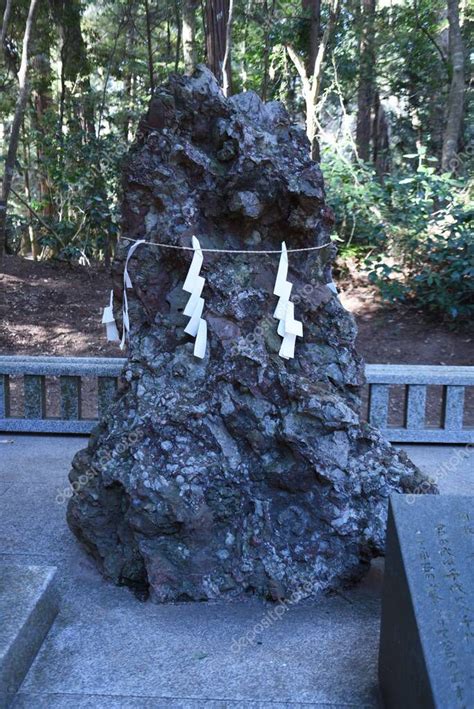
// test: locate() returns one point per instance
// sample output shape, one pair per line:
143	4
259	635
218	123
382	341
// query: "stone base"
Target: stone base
28	606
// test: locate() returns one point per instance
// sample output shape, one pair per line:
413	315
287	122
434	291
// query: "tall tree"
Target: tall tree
380	139
129	79
452	131
365	91
313	8
6	18
218	34
42	99
151	72
268	13
188	34
311	83
226	64
72	51
23	90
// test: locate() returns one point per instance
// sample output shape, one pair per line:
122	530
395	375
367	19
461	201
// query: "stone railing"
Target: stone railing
69	394
451	383
27	396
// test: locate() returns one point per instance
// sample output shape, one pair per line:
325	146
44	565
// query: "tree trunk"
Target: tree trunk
16	125
218	26
72	50
188	35
311	84
149	48
226	68
380	139
178	34
268	20
452	131
129	80
204	27
41	90
32	243
87	107
365	93
314	9
6	19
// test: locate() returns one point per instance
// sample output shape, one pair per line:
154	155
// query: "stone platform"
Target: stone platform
28	607
106	649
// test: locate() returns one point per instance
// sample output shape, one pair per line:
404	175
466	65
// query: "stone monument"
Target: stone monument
427	628
243	472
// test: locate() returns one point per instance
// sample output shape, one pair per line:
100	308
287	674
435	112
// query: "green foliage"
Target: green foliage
85	175
90	83
412	234
411	66
428	255
356	196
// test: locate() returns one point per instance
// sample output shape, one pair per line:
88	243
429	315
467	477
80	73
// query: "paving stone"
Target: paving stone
451	467
41	457
108	650
77	701
33	519
28	605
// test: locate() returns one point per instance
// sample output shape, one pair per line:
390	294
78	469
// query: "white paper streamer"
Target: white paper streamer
194	283
109	321
288	327
127	283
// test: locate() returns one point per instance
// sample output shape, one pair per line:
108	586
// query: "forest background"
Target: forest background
381	87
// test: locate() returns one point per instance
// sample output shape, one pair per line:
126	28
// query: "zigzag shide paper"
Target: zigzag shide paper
109	321
288	328
194	283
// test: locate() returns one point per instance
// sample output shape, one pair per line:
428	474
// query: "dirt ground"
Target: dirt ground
52	308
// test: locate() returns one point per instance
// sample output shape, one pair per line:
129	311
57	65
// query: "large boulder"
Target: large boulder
241	472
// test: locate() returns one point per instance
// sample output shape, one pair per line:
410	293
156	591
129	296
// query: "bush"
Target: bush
357	198
78	181
413	234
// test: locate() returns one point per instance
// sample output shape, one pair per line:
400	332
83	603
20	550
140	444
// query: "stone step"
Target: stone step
28	607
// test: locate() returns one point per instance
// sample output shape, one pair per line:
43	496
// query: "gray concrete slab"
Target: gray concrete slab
28	606
452	467
106	649
33	520
80	701
426	657
42	457
316	653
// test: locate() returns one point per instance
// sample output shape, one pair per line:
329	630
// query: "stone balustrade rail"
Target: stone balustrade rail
27	383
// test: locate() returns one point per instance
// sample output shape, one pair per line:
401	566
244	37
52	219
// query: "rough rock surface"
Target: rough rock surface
242	472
